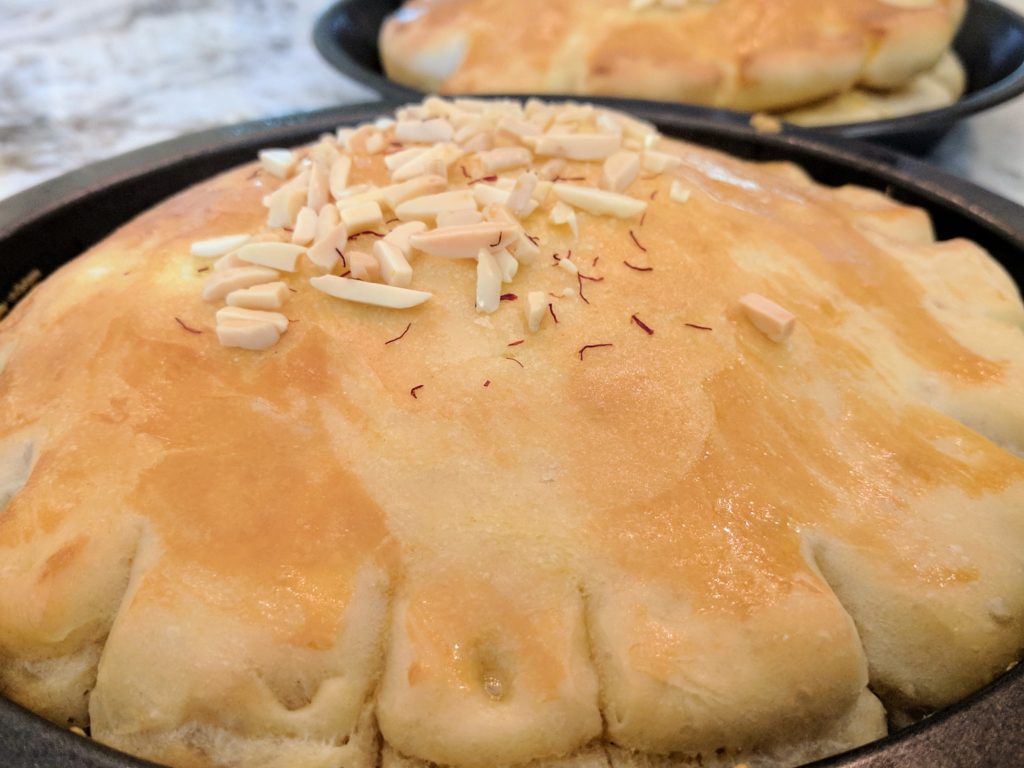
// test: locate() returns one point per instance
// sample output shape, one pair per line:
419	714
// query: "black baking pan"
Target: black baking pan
44	227
990	44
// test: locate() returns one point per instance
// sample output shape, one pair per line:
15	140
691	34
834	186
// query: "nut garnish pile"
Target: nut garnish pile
466	177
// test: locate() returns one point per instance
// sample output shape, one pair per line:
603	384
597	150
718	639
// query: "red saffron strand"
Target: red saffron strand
551	309
579	280
400	336
592	346
516	343
646	328
643	218
569	178
482	178
368	232
203	269
638	269
487	383
532	239
186	326
591	278
514	360
341	256
594	262
638	245
654	194
508	297
413	391
699	327
464	171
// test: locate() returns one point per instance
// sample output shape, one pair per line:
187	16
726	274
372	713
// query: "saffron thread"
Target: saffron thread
400	336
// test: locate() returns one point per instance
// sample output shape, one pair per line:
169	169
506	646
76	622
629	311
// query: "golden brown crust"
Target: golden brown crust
674	544
739	54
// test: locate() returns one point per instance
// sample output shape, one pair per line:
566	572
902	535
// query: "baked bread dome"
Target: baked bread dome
755	55
752	470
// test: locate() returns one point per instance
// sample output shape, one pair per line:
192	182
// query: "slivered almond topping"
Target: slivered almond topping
394	268
369	293
536	309
370	195
375	143
507	265
247	334
399	236
458	218
488	282
276	319
396	194
564	214
324	153
305	227
338	178
525	250
769	318
520	198
574	113
428	162
220	284
263	296
218	246
490	194
576	146
481	142
462	242
470	129
327	251
318	193
567	265
229	261
427	207
550	170
598	201
362	218
518	128
285	205
679	193
398	159
424	131
503	158
277	162
280	256
619	171
363	266
326	220
659	162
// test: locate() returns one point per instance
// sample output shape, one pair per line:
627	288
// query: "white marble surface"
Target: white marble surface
88	79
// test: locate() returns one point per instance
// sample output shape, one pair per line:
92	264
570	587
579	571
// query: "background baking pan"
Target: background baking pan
990	44
44	227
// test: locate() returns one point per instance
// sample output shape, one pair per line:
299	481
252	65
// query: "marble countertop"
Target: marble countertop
87	80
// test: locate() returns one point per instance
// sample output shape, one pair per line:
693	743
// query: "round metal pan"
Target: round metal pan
990	44
46	226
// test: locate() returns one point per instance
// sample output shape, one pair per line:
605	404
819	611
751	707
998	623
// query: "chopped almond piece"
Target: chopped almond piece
338	179
394	268
769	318
659	162
521	197
507	265
518	128
324	153
229	261
280	256
525	250
490	194
567	265
458	218
398	159
503	158
305	227
369	293
481	142
218	246
679	193
363	266
326	251
488	282
399	236
247	334
564	214
396	194
424	131
263	296
598	201
462	242
427	163
375	144
574	113
620	170
363	217
575	146
276	319
326	220
550	170
277	162
285	205
318	192
220	284
426	208
536	309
